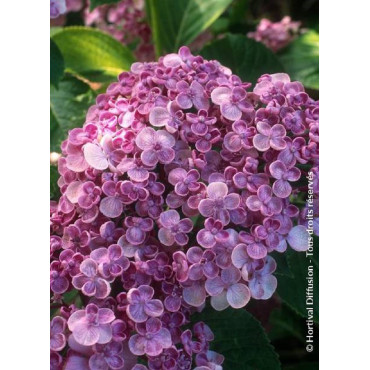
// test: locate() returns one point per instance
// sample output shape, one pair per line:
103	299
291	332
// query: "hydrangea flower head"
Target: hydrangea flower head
276	35
174	192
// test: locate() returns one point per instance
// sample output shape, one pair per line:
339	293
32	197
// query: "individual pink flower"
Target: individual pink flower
171	117
59	283
293	152
200	122
263	284
264	202
91	325
269	137
184	181
218	202
212	233
225	290
151	338
191	95
57	333
89	280
89	195
240	137
137	229
202	263
106	357
142	305
156	146
279	171
173	229
233	102
111	261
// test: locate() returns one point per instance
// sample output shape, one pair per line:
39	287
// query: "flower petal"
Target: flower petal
298	238
95	156
238	295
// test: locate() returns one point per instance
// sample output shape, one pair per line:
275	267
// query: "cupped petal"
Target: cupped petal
261	142
238	295
105	333
105	316
232	201
214	286
221	95
153	308
89	267
102	288
170	218
165	138
257	250
146	139
253	203
217	190
95	156
298	238
278	169
219	302
149	157
87	335
73	191
230	275
263	287
231	111
195	295
136	312
165	236
206	239
111	207
293	174
166	155
239	255
137	344
159	116
282	188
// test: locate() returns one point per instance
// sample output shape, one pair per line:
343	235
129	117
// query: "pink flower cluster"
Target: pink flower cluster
126	22
177	188
57	8
276	35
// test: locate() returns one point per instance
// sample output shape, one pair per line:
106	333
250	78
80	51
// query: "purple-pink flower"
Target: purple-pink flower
173	229
142	305
91	325
151	338
226	290
156	146
219	202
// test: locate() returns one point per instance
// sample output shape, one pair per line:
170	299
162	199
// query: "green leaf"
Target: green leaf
95	3
240	338
92	53
284	323
301	59
292	290
68	107
282	264
56	64
245	57
177	23
303	366
54	188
